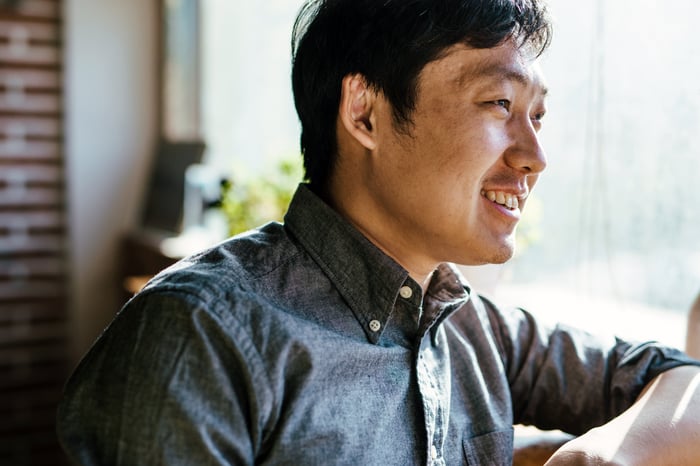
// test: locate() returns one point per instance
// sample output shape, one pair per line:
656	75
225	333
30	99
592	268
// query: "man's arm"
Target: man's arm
165	385
661	428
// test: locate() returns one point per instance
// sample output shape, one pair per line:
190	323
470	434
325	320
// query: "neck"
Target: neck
356	206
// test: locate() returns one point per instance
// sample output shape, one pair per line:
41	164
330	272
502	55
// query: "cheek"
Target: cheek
453	193
450	155
470	141
443	130
469	158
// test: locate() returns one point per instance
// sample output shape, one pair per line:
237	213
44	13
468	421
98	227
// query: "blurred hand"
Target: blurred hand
661	428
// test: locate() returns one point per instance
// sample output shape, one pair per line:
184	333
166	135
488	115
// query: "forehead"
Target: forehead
464	66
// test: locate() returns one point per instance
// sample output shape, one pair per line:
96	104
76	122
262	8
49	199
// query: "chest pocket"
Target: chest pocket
492	449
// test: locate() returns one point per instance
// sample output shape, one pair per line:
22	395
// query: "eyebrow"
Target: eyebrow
500	72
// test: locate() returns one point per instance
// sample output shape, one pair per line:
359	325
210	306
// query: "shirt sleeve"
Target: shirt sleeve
166	384
565	378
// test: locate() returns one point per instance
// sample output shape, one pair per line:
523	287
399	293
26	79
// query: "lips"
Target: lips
508	200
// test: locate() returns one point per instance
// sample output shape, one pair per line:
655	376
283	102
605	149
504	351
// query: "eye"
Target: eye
505	103
537	120
538	116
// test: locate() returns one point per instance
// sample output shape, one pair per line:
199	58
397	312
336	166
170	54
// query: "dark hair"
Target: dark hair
389	42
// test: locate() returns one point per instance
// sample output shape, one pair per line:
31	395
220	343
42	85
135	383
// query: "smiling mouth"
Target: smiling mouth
507	200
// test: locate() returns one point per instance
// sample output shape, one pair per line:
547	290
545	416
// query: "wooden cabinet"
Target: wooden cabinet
33	269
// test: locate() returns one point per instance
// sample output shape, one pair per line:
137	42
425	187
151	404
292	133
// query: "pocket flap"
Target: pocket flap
492	449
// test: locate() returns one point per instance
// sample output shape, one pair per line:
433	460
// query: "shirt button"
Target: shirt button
375	325
406	292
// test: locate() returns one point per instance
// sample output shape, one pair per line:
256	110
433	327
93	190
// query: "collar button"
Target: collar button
406	292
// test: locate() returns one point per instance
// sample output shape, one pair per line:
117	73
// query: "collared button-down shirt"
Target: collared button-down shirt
304	344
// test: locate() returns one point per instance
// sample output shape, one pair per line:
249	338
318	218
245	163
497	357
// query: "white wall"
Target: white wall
110	83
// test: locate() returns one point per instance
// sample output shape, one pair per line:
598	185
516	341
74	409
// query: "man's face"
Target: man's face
453	186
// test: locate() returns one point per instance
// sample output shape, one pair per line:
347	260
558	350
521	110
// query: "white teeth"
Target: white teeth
504	199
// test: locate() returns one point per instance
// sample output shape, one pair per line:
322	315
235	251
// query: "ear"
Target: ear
356	111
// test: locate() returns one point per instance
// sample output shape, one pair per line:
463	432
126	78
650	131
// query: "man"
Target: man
344	336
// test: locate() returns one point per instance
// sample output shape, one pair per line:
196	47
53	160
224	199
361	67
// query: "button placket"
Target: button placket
435	391
430	402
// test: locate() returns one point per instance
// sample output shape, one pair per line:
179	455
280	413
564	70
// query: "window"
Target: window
612	238
249	121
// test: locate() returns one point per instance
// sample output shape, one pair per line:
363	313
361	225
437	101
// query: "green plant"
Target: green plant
249	203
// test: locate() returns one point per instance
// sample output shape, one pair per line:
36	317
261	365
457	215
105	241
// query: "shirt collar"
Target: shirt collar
369	280
447	292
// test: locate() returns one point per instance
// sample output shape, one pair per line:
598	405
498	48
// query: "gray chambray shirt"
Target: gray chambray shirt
303	344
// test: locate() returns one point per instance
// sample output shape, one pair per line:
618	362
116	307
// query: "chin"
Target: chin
496	250
503	254
500	260
498	256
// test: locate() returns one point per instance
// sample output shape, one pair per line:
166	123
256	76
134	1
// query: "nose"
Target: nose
526	153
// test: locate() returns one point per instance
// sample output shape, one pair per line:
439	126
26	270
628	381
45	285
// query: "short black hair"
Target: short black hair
389	42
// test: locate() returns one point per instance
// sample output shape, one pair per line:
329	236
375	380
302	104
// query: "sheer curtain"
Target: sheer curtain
614	239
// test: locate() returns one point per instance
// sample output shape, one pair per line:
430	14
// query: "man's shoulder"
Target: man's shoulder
248	271
238	260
